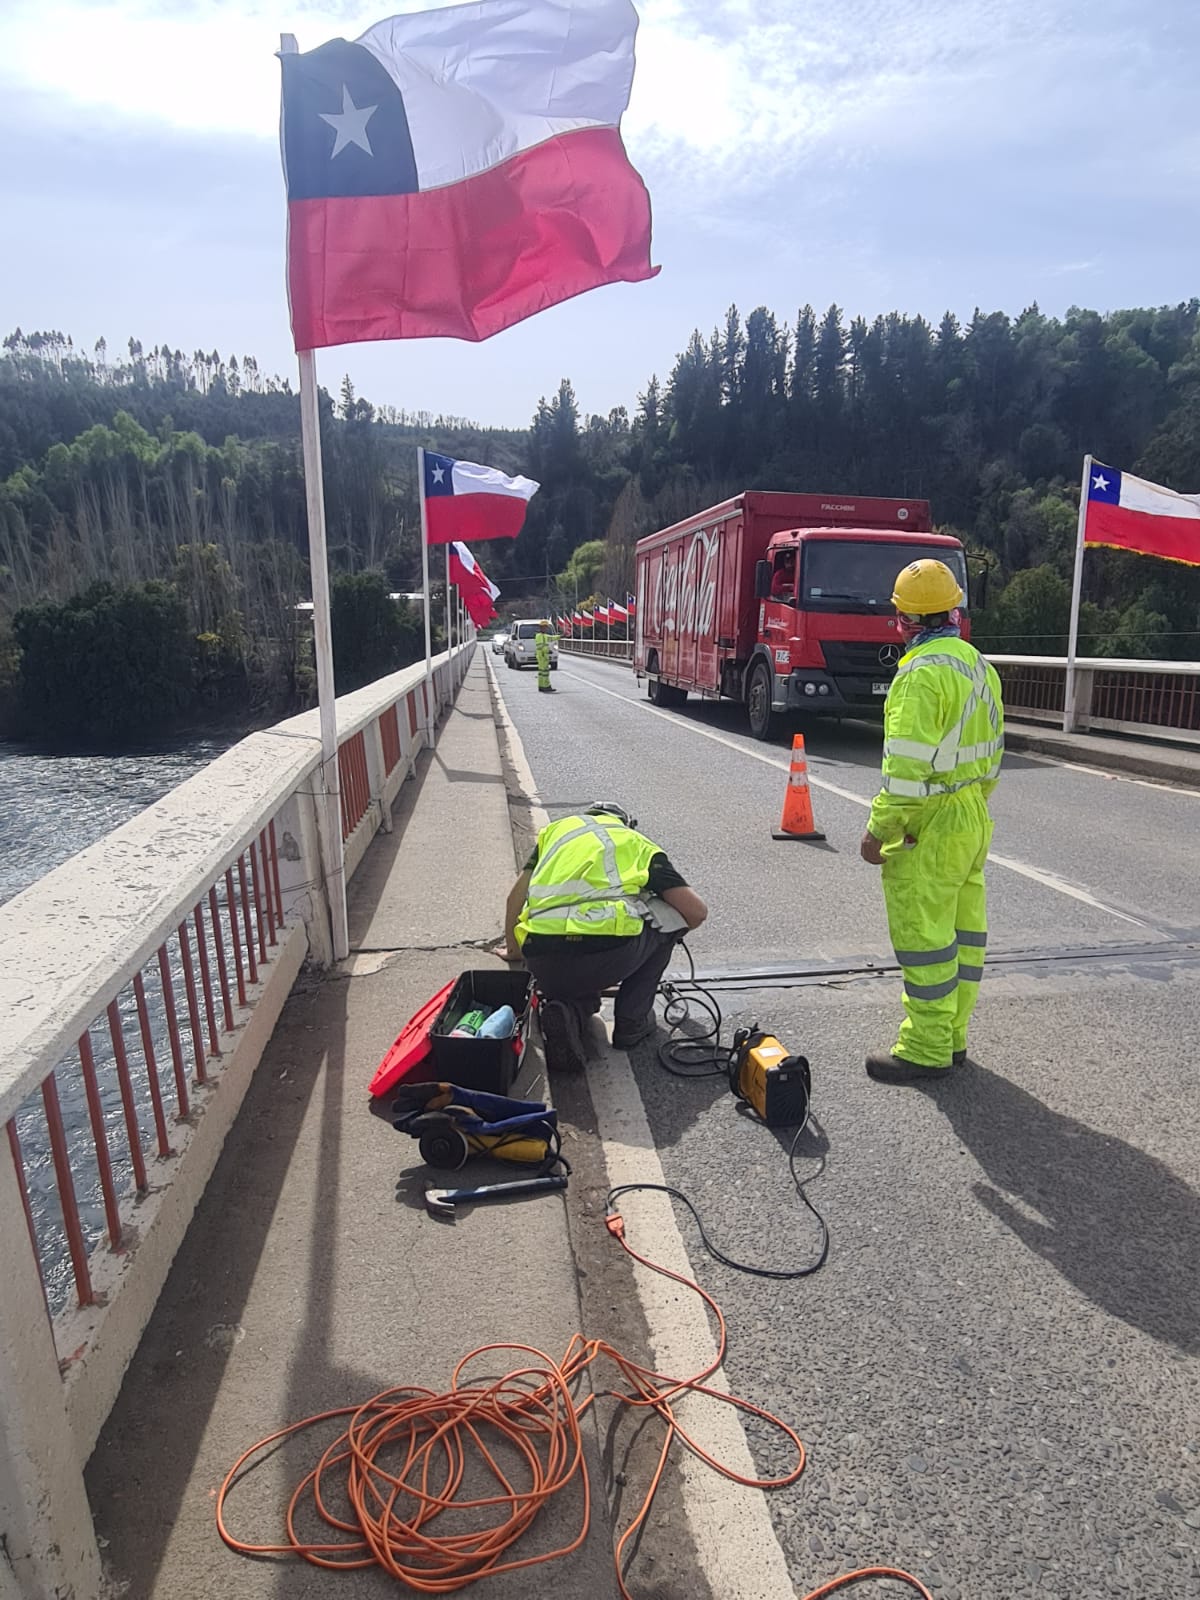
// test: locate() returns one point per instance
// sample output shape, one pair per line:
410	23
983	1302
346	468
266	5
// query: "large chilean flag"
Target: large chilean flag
1131	513
452	172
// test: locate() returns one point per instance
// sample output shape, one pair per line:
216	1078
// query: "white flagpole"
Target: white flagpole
331	823
1070	721
329	815
449	640
425	592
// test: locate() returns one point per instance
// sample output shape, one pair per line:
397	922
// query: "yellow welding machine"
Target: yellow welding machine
776	1085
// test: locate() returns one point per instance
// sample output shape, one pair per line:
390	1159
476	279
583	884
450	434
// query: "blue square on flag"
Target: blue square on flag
1104	486
439	474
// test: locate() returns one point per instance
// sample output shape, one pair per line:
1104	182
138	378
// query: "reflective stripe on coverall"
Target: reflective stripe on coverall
541	649
943	744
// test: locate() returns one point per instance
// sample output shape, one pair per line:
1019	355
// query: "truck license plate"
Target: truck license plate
880	688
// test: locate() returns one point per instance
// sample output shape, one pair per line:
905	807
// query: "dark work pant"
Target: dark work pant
574	974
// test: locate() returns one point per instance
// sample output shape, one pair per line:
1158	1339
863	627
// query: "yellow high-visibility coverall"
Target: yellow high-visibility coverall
943	744
541	650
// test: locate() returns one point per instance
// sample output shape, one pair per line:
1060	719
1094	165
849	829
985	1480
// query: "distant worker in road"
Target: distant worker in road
541	649
598	905
929	828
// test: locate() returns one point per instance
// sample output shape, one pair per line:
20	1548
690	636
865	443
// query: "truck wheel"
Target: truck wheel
764	723
660	693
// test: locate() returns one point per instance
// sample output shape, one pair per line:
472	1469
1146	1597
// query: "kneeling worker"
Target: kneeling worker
583	916
943	741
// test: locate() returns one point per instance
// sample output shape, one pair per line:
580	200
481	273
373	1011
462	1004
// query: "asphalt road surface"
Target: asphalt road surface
998	1371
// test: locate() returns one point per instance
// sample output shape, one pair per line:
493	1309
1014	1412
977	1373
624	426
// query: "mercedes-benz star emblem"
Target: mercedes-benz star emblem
889	655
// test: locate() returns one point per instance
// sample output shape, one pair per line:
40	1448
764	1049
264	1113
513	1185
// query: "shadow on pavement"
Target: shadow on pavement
1116	1222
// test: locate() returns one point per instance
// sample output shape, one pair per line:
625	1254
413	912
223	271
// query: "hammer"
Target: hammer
441	1202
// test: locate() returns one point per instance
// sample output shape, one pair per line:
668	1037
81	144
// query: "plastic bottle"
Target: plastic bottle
500	1025
468	1026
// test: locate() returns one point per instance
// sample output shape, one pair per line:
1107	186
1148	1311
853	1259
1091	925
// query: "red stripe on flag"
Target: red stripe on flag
1172	538
469	259
472	517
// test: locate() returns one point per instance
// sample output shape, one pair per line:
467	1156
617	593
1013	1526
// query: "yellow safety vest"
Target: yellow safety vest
589	879
943	731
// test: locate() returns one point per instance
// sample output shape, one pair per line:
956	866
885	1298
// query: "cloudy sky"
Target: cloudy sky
910	154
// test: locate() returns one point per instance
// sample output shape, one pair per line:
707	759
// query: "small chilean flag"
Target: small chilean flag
465	501
1129	513
455	171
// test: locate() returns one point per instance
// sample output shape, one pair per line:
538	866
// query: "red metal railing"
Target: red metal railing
389	739
1160	699
1033	688
1125	695
94	1159
355	783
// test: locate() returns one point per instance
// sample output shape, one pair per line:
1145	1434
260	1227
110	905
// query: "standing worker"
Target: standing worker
541	649
588	914
929	829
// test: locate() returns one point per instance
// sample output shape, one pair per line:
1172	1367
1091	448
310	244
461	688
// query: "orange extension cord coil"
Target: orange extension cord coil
428	1441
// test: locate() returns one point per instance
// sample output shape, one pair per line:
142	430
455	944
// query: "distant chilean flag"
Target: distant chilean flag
1131	513
465	501
452	172
478	591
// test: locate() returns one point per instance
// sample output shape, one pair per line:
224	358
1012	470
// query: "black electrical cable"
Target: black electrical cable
702	1055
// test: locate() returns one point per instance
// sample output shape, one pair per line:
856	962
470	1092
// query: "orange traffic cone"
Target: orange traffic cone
798	820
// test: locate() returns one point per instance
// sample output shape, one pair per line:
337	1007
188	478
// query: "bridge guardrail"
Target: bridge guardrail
154	964
1110	695
610	649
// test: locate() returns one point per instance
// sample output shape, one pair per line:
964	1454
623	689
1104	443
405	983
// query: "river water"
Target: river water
52	806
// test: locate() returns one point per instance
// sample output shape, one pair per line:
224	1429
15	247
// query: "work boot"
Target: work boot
887	1068
960	1057
561	1035
545	688
628	1035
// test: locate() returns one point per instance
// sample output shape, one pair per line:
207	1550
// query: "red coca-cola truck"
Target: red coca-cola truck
780	601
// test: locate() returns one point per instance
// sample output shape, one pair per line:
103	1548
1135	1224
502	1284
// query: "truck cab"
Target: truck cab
826	635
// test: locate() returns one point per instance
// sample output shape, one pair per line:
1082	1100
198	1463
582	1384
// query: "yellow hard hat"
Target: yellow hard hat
925	587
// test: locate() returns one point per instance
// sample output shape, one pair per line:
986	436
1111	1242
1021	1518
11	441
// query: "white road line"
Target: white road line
730	1524
538	814
739	1553
1048	880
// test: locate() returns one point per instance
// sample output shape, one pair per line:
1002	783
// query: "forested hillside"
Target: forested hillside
119	470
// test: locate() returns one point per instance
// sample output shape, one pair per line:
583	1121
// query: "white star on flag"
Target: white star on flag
1100	482
350	125
438	474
